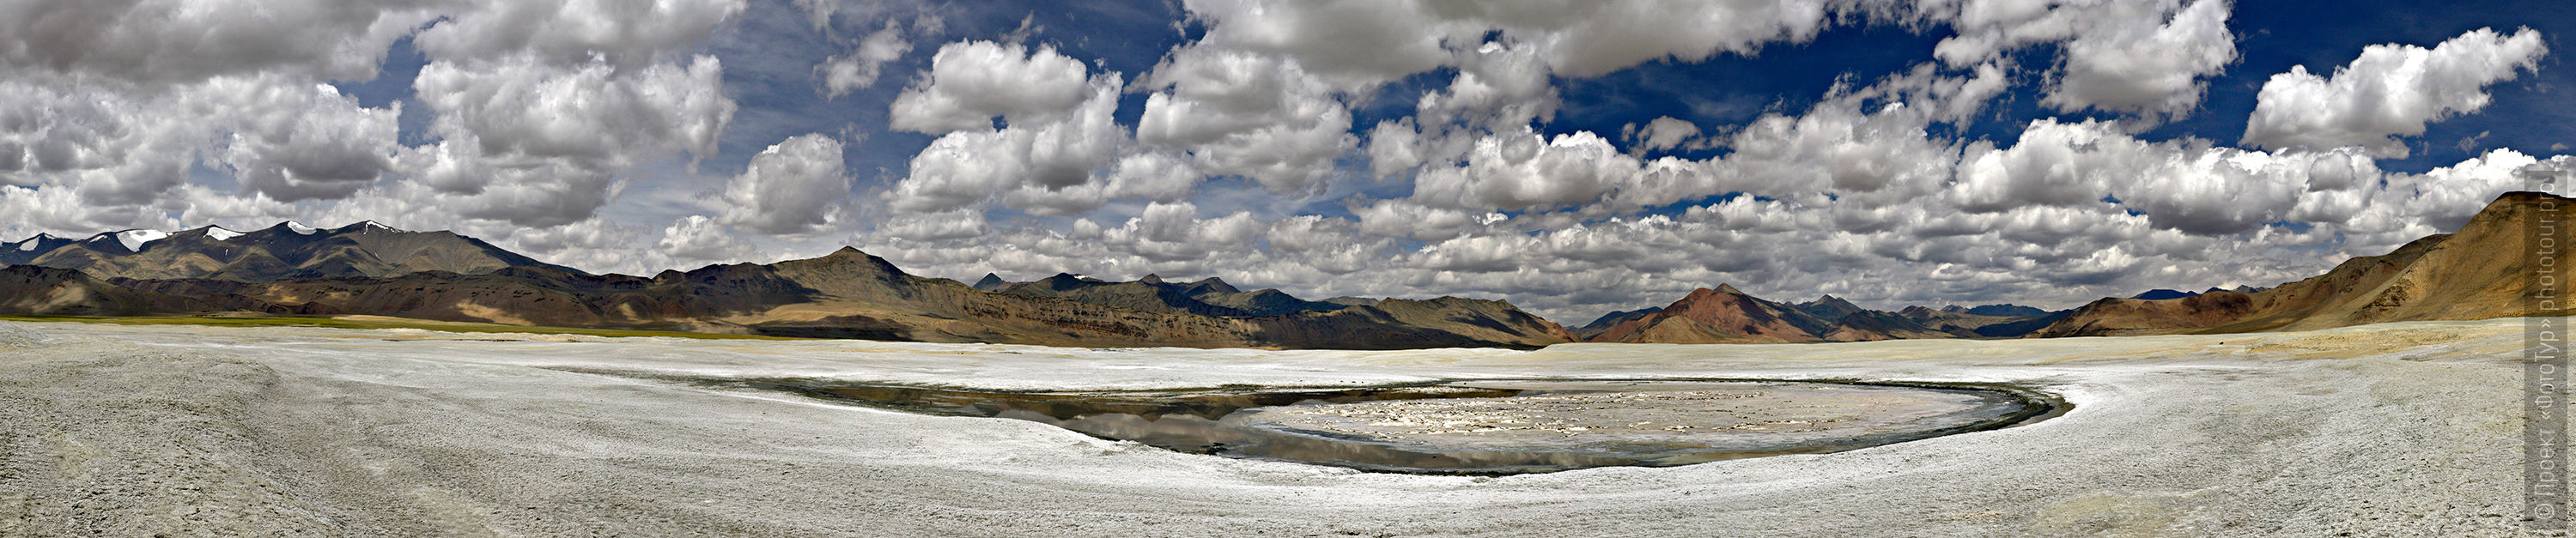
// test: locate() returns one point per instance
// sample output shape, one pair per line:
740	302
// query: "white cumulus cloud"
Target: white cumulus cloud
794	187
280	138
972	82
2391	91
1065	150
859	69
623	33
534	143
1245	114
161	42
2146	70
2144	57
696	238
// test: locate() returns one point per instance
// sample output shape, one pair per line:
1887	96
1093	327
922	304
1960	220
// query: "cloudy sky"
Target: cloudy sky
1572	157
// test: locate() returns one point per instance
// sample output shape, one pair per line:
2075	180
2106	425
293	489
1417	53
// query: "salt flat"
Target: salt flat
2380	430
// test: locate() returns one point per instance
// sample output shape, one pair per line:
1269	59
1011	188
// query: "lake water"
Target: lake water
1492	427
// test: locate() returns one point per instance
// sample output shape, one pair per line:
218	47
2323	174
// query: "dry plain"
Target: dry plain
2402	429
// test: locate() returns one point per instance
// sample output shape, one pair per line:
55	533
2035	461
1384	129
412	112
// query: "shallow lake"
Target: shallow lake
1491	427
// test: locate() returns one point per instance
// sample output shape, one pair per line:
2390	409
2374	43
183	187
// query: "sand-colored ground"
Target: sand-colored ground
2385	430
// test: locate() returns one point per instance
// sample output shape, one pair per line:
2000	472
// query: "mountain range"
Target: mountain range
287	250
372	269
1726	315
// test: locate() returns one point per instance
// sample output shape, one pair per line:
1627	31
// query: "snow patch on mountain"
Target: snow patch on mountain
135	239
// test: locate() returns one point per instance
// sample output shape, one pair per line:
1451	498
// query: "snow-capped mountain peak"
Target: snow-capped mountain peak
220	233
135	239
31	243
299	228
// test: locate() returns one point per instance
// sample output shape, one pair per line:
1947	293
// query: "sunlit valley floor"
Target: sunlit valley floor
2389	429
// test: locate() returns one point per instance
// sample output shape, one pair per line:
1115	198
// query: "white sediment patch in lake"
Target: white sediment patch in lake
2397	429
1646	420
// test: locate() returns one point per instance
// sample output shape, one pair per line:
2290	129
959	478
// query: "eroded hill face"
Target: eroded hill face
2478	272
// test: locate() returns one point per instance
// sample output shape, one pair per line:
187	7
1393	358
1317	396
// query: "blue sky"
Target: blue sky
1727	90
1326	148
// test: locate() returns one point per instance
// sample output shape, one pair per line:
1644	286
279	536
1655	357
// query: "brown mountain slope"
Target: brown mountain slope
943	310
1718	316
849	294
2117	316
1873	325
1950	319
1727	315
1828	308
1613	319
47	291
1263	302
1410	323
1153	296
1206	297
1964	323
2476	273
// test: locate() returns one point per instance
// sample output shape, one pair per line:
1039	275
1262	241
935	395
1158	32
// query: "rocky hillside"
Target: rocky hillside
2476	273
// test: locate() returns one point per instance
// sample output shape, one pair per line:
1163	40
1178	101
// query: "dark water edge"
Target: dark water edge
1196	420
